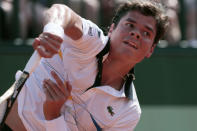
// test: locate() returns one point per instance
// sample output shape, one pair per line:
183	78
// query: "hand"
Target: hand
47	44
56	95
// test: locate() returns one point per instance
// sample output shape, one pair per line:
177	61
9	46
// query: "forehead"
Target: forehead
140	19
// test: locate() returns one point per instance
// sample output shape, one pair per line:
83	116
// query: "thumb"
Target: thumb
36	43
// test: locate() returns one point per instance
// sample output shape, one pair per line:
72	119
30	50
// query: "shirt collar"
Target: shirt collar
109	90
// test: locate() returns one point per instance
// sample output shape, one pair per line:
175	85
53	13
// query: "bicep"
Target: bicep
75	29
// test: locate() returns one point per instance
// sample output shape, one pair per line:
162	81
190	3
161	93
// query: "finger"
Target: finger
69	87
55	88
41	50
50	40
68	91
47	45
53	42
54	37
59	81
49	97
56	40
36	43
50	89
43	53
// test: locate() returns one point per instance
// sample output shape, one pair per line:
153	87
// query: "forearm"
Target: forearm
65	17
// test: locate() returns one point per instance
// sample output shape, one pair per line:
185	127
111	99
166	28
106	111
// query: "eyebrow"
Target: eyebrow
146	26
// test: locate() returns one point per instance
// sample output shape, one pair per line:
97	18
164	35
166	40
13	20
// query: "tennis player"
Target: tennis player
85	81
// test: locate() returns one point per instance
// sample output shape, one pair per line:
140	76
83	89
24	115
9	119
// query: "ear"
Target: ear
151	51
111	29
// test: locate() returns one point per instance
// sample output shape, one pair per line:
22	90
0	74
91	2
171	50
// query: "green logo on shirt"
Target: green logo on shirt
110	110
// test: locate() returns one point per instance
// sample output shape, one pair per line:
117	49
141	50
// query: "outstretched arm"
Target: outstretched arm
58	20
65	17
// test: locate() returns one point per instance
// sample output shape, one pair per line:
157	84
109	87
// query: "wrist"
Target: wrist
51	111
54	29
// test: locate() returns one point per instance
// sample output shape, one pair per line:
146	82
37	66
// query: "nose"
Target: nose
135	34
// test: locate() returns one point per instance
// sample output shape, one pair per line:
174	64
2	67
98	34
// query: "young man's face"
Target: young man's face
133	37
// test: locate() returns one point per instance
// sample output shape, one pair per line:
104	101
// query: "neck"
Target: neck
114	72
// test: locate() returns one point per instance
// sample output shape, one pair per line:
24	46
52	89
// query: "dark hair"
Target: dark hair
147	8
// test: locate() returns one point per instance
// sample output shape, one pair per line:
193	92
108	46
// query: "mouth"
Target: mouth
131	44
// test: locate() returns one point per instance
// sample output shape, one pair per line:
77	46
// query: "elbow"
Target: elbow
55	14
58	6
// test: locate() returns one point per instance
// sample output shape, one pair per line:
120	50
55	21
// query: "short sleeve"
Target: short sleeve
90	44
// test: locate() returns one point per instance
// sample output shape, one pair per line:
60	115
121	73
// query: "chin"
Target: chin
136	60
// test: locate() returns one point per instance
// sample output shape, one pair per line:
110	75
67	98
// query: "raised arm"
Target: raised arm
58	20
64	16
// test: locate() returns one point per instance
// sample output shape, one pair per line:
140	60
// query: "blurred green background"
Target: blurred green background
166	86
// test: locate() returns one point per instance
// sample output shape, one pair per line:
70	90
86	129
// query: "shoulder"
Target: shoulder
91	29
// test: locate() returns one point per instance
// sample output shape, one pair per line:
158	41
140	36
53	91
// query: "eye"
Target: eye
130	25
145	33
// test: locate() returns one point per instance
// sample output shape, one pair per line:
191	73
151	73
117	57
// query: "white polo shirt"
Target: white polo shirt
109	107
